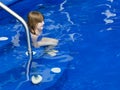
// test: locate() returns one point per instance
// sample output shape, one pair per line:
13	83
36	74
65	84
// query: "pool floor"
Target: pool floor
89	46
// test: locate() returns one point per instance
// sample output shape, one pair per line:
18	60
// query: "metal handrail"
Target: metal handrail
27	33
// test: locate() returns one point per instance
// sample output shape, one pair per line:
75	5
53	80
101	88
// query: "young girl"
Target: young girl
35	24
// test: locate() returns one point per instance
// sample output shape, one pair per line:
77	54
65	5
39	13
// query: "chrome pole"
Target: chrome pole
27	33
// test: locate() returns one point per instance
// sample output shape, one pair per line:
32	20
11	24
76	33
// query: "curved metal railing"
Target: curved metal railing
27	33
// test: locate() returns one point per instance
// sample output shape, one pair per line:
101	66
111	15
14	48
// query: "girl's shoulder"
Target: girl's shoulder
33	37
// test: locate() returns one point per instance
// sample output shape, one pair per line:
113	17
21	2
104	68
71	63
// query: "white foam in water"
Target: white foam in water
105	5
50	27
68	17
72	36
56	70
15	39
108	29
3	38
108	21
61	5
111	1
108	5
36	79
67	14
109	14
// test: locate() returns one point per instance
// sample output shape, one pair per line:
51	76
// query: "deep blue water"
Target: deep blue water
89	47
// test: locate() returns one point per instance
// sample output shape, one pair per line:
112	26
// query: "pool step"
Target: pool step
52	70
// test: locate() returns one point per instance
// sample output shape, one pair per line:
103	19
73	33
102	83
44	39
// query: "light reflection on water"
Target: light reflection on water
68	29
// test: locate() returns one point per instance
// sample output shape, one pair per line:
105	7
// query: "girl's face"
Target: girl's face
40	26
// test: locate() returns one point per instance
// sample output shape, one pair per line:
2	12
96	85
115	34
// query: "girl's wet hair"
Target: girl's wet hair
34	17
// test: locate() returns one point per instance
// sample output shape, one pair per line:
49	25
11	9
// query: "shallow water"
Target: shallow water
89	48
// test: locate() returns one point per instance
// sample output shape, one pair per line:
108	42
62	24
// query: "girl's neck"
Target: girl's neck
36	32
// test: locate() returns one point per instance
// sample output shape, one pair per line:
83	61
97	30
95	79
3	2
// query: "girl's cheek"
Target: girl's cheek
38	27
41	28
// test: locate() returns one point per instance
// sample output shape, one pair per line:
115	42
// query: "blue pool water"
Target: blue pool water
89	47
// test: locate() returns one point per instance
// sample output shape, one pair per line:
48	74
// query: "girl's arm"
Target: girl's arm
47	42
43	41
